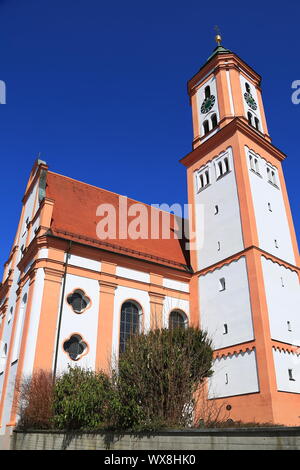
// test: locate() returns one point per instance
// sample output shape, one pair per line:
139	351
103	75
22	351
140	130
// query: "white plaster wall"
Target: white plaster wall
241	370
224	227
86	323
6	338
23	312
176	285
82	262
283	300
11	370
43	253
231	306
283	362
270	225
132	274
172	303
122	294
200	99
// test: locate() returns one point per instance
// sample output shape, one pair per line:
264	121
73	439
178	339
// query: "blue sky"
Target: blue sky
99	88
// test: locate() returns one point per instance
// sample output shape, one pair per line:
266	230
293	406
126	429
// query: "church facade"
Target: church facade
69	295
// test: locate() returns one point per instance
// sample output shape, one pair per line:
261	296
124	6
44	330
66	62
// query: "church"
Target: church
73	290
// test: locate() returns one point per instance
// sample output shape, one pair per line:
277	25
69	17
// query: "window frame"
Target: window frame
182	314
140	323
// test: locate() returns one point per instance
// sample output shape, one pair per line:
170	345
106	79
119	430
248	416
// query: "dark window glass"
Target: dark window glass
247	86
206	127
214	121
226	165
177	320
75	347
250	118
207	91
129	323
78	301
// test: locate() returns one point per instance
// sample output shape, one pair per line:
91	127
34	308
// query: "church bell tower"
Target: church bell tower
244	255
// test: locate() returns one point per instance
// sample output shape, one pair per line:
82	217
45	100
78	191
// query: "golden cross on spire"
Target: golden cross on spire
218	37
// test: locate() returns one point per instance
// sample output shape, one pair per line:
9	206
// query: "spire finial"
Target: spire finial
218	37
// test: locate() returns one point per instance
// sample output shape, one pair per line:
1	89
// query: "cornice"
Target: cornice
233	350
237	256
236	125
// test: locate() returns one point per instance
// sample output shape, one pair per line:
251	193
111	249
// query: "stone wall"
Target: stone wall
214	439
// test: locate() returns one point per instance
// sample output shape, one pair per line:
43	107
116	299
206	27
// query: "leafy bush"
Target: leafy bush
155	386
36	401
158	376
81	399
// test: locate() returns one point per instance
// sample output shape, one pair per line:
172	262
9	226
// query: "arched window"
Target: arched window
177	319
226	165
11	311
206	127
207	177
130	322
249	118
214	121
247	86
256	120
207	91
201	181
251	162
78	301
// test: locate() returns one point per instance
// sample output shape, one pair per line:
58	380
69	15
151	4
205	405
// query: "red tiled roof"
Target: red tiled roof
74	217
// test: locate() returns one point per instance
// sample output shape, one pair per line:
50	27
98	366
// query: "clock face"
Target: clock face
207	104
250	101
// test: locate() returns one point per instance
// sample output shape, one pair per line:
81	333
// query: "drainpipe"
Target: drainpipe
61	310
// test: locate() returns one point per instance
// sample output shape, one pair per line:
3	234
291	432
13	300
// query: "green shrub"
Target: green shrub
81	399
158	375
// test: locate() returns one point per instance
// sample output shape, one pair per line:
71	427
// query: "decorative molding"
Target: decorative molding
235	351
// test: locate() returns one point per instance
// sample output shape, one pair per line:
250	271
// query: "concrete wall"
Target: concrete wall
214	439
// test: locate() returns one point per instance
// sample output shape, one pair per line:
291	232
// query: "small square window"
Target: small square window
222	284
216	209
290	371
225	331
